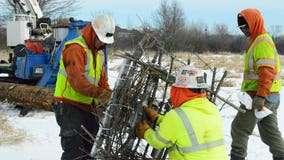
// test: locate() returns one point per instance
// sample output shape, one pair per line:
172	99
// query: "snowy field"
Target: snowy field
35	136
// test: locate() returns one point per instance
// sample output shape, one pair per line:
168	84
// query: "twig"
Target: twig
229	103
89	134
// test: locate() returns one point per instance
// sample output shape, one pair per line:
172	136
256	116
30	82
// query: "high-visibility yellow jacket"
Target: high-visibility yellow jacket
63	88
191	132
261	53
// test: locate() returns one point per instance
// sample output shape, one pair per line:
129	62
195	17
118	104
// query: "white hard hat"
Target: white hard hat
190	77
104	27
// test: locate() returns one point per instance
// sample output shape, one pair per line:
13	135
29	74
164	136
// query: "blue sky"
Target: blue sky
129	13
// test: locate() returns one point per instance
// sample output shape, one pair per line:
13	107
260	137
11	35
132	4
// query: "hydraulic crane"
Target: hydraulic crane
36	44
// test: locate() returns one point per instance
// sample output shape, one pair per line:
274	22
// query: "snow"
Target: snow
39	130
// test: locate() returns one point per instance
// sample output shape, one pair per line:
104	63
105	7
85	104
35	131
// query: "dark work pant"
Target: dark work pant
70	119
244	123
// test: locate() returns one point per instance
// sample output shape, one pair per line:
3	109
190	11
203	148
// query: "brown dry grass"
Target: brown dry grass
8	134
232	63
229	83
220	60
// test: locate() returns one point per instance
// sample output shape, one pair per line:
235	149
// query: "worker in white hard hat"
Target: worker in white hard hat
192	130
82	86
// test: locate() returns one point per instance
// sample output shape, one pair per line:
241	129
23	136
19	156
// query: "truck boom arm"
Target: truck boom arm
30	7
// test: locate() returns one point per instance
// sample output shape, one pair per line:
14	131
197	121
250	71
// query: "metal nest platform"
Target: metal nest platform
143	81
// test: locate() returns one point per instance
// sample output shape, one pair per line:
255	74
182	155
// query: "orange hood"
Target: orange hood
255	23
181	95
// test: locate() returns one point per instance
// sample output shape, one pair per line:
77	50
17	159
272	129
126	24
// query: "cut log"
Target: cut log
27	96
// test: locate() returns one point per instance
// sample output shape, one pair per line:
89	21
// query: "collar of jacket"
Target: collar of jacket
181	95
90	35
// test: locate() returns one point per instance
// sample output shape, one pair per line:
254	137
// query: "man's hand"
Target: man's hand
151	113
141	129
104	95
258	102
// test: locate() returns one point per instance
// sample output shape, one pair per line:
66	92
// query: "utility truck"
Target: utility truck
36	44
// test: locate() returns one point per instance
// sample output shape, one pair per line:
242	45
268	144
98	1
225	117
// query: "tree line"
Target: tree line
169	27
175	35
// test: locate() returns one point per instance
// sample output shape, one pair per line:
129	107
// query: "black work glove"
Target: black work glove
258	102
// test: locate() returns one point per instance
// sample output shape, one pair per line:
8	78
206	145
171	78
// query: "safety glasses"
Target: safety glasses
109	34
244	27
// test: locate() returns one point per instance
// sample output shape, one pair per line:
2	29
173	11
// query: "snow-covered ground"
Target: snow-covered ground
39	131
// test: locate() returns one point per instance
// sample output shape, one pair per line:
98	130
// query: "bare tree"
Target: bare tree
2	31
50	8
6	8
196	38
59	8
221	29
220	38
275	31
169	23
2	34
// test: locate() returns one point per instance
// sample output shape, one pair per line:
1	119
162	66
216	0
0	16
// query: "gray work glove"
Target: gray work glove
258	102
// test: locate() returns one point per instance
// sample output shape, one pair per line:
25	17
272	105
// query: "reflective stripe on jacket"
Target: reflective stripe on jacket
261	53
191	132
63	88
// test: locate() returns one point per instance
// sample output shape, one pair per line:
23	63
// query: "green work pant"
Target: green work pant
244	123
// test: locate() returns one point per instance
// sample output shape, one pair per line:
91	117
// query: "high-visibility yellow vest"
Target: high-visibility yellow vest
262	52
193	131
63	89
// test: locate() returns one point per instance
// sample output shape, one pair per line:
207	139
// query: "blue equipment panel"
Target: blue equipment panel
31	66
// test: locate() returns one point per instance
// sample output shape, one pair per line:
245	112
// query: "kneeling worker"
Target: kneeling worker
192	130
